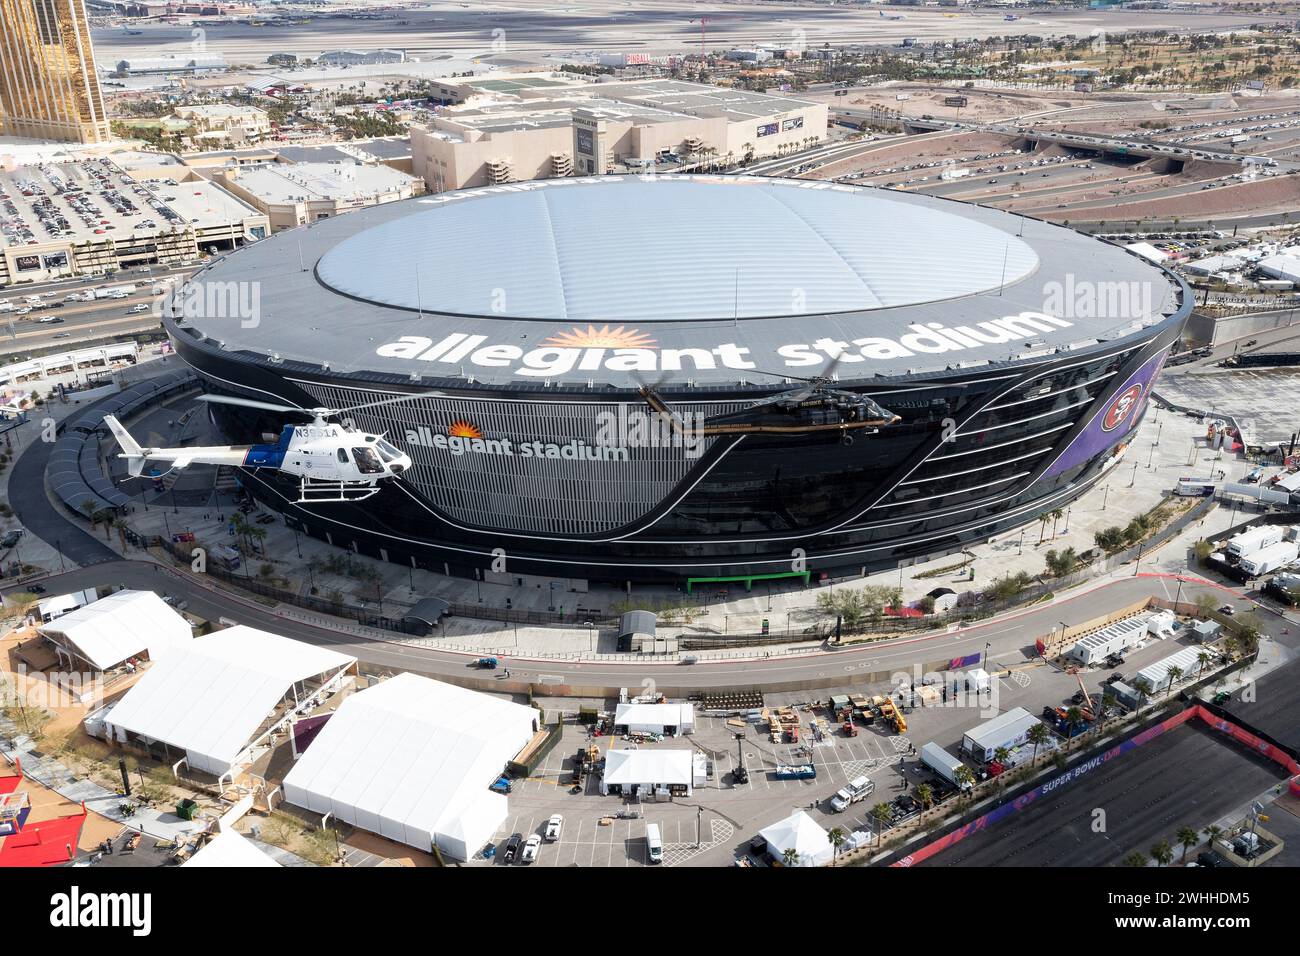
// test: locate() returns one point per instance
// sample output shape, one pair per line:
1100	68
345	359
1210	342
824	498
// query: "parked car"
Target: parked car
1227	609
553	827
512	848
531	846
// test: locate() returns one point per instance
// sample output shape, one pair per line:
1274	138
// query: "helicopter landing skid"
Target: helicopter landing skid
313	491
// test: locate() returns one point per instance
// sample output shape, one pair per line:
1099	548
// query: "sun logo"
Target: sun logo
463	429
603	337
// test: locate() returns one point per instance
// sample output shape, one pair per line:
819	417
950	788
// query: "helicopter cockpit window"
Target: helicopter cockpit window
343	455
387	451
368	462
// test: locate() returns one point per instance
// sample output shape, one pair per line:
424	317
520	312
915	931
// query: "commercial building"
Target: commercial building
223	121
92	216
670	720
105	634
652	774
216	697
538	126
1008	729
48	85
520	324
168	63
306	192
337	58
411	759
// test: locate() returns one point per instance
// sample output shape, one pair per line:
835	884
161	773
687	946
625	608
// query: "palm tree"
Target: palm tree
1162	853
88	506
925	795
1134	859
965	777
1175	673
1001	754
1043	522
880	813
790	857
1143	687
1202	658
837	836
1188	837
1212	833
1037	735
1056	514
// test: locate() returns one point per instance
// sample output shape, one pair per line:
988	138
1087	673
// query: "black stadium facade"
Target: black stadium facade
656	379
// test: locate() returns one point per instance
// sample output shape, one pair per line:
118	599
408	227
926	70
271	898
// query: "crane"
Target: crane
704	21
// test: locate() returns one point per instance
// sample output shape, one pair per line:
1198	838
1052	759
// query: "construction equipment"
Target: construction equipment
741	773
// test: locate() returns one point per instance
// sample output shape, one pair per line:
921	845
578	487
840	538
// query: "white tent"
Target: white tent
60	604
111	631
209	696
647	770
802	834
672	719
1148	251
230	849
411	759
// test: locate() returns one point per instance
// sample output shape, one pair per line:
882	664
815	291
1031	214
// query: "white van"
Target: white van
654	843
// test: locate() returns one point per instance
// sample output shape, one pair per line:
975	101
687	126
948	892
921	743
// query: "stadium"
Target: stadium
651	379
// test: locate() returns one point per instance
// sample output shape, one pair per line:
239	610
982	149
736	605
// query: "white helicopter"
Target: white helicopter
332	460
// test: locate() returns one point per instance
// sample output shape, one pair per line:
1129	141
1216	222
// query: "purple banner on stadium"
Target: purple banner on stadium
1112	424
957	663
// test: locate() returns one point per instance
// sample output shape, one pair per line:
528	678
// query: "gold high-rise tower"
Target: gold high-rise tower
48	86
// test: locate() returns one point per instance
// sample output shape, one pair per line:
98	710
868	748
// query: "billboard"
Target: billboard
1114	421
586	141
794	122
767	129
55	260
27	263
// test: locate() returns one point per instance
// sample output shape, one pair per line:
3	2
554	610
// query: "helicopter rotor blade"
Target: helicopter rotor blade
386	401
252	403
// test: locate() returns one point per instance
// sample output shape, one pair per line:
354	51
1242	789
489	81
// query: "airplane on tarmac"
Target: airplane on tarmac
332	460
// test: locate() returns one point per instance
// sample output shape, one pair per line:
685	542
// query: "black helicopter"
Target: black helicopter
815	406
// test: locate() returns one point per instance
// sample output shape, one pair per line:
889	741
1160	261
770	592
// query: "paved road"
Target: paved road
1011	639
33	509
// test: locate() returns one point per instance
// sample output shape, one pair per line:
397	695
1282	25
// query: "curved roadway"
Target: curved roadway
1009	638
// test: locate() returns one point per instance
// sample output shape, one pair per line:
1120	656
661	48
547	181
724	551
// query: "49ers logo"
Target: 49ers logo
1121	408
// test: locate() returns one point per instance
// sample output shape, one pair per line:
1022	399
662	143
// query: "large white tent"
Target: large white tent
802	834
411	759
671	719
210	696
644	771
112	630
230	849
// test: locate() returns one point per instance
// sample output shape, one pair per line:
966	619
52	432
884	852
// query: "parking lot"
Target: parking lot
610	830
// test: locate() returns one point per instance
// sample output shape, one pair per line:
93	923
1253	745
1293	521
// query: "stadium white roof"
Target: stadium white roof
560	254
230	849
119	627
660	767
210	697
411	759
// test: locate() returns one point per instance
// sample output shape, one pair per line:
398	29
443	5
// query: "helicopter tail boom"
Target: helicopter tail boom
135	455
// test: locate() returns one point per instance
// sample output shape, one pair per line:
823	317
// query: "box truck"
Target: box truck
1273	558
857	790
941	762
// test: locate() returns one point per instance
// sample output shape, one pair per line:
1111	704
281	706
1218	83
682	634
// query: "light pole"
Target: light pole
1105	493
